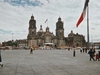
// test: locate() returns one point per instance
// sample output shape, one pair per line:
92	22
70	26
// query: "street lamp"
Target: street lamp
12	40
12	37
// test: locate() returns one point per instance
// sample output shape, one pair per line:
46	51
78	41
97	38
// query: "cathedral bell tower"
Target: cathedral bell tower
59	29
32	28
60	33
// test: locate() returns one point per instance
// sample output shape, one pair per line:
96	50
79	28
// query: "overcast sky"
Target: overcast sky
15	16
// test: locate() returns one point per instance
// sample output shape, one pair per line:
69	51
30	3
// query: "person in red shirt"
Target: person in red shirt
97	57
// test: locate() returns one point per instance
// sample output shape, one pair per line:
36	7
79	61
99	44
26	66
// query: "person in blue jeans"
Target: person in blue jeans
91	54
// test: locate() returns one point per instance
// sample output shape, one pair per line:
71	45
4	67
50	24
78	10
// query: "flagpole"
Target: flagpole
88	41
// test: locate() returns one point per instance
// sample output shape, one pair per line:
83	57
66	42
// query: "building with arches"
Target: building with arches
45	36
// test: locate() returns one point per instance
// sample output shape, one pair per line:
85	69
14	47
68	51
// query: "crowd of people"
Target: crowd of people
84	50
93	54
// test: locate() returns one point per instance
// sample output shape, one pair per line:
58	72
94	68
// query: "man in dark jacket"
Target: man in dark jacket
99	55
1	60
91	53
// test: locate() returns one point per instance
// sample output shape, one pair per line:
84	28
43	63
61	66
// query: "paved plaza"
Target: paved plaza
47	62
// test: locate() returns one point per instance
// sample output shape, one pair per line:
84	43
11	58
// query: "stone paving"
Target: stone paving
47	62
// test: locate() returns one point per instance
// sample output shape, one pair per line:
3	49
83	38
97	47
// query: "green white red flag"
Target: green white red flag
83	13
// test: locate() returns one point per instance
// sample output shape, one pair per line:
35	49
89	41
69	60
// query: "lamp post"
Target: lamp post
12	36
12	40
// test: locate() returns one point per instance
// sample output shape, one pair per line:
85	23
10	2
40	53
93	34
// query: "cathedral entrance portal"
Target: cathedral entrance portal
48	45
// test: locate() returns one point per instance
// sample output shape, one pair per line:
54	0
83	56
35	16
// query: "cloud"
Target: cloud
4	32
23	2
15	16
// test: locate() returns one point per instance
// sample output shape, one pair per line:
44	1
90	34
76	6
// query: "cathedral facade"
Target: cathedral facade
41	37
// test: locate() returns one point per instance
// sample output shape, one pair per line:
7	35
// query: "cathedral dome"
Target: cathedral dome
71	34
41	30
47	29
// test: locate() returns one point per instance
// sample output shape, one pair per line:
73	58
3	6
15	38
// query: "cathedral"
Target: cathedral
41	37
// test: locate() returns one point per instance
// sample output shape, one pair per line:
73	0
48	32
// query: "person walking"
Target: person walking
99	55
91	54
1	64
83	50
80	50
31	50
74	53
